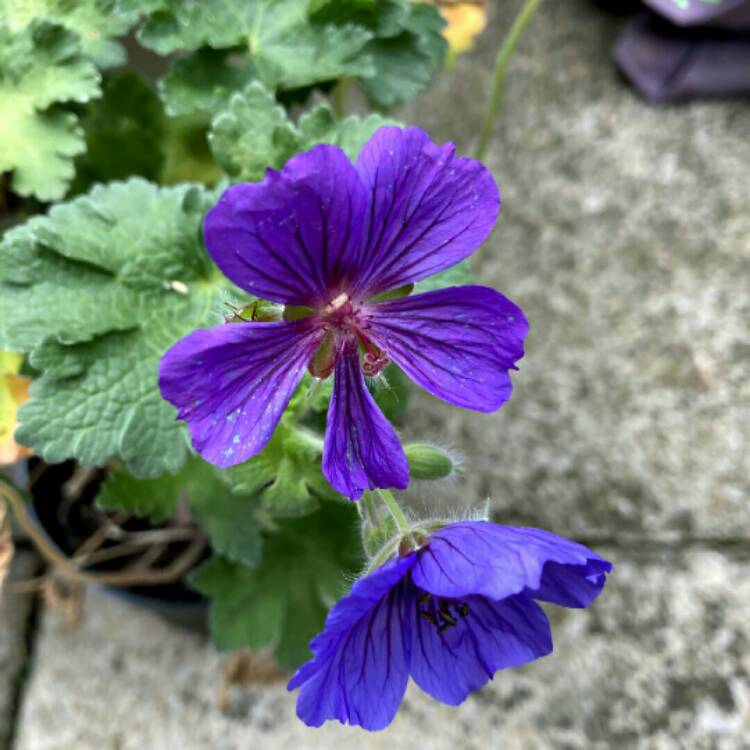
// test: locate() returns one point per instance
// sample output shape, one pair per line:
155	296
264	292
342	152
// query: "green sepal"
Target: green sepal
429	462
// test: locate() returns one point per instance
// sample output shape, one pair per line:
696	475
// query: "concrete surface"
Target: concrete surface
625	236
660	661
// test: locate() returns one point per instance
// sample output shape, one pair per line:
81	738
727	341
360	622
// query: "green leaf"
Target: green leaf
255	133
96	22
243	139
204	80
188	156
155	499
41	66
124	134
286	475
97	291
230	520
306	565
407	46
287	49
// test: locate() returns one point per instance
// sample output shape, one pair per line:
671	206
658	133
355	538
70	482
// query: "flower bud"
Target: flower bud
429	462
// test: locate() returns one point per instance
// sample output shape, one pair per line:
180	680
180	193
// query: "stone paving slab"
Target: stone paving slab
661	661
625	236
15	613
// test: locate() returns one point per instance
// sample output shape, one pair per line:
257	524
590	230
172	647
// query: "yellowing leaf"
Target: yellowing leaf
465	22
14	390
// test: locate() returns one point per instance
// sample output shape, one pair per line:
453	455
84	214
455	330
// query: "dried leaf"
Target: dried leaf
6	543
466	20
247	668
14	390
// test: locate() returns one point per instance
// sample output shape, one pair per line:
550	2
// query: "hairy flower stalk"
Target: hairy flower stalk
448	606
340	245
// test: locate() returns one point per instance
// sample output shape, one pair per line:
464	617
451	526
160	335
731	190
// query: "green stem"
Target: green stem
369	505
395	510
338	96
501	65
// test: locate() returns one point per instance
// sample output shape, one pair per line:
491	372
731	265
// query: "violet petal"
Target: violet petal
458	343
232	383
295	237
429	209
362	450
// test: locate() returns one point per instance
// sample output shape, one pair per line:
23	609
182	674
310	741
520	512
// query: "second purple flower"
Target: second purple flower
331	237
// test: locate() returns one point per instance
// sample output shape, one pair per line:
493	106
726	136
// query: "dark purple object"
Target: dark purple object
448	615
665	63
730	14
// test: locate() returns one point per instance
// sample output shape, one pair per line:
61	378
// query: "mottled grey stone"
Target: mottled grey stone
625	236
15	611
662	660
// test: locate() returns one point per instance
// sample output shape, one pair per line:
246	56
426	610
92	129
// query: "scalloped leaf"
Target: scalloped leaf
204	80
407	47
97	291
287	48
41	66
96	22
254	133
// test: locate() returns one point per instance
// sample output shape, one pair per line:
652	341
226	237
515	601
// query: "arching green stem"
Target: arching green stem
498	77
395	510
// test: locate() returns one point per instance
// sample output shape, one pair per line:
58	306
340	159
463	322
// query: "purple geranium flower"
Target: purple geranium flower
330	237
450	615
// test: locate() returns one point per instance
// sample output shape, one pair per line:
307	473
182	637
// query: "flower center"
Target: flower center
340	318
440	612
338	302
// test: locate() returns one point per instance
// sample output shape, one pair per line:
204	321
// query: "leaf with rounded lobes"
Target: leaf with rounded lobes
407	47
406	62
40	66
288	49
97	290
97	22
306	565
254	133
204	81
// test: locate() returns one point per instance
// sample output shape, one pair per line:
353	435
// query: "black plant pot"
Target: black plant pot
68	523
